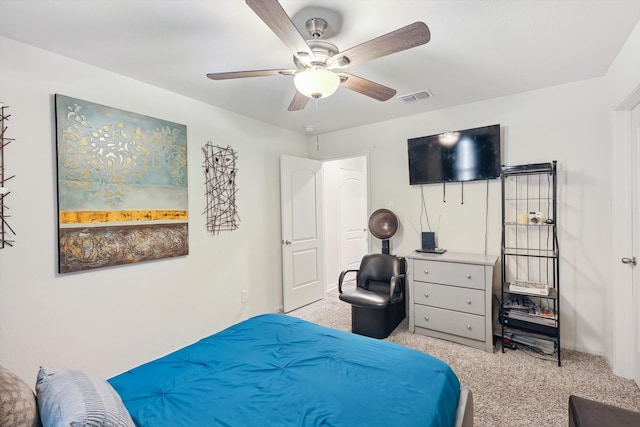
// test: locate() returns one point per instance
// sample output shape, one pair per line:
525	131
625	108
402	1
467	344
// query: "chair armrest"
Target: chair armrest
396	281
341	278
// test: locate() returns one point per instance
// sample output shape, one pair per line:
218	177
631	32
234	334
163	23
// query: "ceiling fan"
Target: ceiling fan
319	65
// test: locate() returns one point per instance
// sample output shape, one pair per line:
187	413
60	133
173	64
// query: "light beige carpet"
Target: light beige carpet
511	389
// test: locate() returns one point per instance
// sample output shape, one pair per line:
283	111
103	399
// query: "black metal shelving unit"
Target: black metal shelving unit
529	314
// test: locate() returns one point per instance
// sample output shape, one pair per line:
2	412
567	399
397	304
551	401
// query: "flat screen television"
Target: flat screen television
463	155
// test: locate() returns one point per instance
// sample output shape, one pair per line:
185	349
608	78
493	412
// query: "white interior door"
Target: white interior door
353	217
302	245
623	337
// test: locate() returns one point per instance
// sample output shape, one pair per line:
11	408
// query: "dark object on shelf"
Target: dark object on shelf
538	328
530	257
428	240
511	346
432	251
383	224
589	413
429	244
377	302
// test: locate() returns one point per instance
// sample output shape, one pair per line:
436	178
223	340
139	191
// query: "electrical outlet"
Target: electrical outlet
244	296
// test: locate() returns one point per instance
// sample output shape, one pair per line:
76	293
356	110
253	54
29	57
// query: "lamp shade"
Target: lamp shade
316	82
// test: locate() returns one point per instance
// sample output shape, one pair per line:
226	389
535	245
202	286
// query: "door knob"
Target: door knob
627	260
286	242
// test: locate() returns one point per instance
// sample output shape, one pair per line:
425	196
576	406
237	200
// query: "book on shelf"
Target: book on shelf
529	287
518	302
541	344
545	312
532	317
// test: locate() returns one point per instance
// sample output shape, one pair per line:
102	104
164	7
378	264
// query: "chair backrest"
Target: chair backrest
376	271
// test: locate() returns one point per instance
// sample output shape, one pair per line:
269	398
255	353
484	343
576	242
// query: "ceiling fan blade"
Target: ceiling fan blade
254	73
412	35
298	102
272	13
366	87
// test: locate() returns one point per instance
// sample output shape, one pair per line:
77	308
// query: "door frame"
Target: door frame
621	349
332	282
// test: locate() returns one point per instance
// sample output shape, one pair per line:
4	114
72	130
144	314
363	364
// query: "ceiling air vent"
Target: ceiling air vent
418	96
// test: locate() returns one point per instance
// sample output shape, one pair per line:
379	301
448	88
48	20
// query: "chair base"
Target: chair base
589	413
377	322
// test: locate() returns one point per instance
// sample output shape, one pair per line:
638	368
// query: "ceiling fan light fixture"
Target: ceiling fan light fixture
316	82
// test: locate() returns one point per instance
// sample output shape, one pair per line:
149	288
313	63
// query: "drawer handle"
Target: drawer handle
469	301
426	318
468	276
469	327
426	272
426	295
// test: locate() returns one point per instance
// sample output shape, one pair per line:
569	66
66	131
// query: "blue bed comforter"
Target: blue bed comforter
277	370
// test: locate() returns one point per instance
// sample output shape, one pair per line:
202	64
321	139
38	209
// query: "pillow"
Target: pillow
74	398
18	407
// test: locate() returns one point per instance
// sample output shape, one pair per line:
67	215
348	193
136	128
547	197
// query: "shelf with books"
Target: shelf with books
531	252
532	309
539	342
530	255
533	318
552	294
551	331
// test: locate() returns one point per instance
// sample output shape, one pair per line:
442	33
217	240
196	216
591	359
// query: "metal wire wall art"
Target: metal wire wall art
220	188
5	228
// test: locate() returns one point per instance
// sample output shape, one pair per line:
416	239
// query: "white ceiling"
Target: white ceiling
479	49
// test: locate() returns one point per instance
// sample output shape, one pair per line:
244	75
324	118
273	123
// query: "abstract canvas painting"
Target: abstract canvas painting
122	186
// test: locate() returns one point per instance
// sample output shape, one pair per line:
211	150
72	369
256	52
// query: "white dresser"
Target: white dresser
450	297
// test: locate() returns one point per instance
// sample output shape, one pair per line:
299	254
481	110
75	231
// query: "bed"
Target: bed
278	370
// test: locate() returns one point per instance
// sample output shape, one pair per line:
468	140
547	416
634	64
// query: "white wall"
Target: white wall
623	91
570	124
108	320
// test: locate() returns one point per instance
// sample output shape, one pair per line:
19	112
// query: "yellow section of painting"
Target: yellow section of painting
87	217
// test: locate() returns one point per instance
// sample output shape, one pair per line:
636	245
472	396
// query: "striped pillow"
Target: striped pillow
74	398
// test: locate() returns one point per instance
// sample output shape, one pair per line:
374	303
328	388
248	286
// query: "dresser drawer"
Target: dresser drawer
450	297
450	322
449	273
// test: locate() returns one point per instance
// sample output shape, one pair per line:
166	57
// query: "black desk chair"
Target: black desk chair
378	301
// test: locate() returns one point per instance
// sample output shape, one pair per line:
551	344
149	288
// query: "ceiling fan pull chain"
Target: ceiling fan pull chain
317	124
